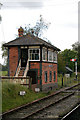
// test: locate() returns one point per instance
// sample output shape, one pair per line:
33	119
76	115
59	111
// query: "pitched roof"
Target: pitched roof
29	40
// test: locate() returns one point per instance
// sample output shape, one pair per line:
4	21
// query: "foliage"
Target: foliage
37	30
76	47
3	73
61	63
66	81
67	55
64	59
5	54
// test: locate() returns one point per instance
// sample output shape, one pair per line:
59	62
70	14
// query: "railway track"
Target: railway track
32	109
70	114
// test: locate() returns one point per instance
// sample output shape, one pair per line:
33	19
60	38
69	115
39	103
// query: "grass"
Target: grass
12	99
66	81
3	73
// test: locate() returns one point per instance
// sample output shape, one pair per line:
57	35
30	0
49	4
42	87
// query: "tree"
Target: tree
61	63
37	30
4	54
67	55
64	59
76	47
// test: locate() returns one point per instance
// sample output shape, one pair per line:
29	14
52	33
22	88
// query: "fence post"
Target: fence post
62	81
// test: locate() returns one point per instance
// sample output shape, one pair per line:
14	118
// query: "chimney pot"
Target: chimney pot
20	31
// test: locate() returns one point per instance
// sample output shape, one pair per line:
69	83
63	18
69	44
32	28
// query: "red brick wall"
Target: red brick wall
13	60
48	67
45	67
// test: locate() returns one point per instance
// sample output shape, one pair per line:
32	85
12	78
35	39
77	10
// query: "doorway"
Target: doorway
24	57
33	75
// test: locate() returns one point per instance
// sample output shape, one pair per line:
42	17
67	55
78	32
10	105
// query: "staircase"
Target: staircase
21	73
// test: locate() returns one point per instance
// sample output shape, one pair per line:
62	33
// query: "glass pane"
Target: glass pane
32	56
33	51
37	51
36	56
45	76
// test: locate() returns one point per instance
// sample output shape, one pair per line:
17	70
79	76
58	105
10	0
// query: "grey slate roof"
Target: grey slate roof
28	40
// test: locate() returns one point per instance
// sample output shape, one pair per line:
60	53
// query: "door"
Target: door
24	57
33	75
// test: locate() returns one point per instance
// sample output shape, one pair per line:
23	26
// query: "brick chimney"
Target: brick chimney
20	32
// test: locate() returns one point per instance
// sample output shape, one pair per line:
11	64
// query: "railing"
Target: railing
27	68
20	80
18	69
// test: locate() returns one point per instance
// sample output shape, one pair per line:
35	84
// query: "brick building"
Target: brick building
32	56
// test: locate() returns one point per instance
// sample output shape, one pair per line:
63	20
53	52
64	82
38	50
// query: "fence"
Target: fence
20	80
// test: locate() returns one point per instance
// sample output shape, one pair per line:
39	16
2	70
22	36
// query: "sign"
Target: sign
22	93
74	60
37	89
67	75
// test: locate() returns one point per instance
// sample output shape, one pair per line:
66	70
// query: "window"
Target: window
44	54
50	56
54	56
34	54
54	76
50	76
46	76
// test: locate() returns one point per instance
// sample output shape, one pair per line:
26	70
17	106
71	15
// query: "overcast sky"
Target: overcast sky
62	14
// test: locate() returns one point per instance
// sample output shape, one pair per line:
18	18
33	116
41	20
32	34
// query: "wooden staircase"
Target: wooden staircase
21	73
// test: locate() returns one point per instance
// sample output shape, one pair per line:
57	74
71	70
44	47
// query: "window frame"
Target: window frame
29	53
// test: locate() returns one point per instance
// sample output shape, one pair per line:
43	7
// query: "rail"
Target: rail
20	79
32	109
27	68
18	69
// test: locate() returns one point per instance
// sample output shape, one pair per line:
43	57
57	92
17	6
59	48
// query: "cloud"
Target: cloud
27	4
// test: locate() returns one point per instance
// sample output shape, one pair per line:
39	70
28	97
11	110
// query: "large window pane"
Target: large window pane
50	56
44	54
45	76
50	76
54	76
34	54
54	56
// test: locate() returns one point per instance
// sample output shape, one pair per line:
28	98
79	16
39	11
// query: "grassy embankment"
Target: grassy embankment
12	99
